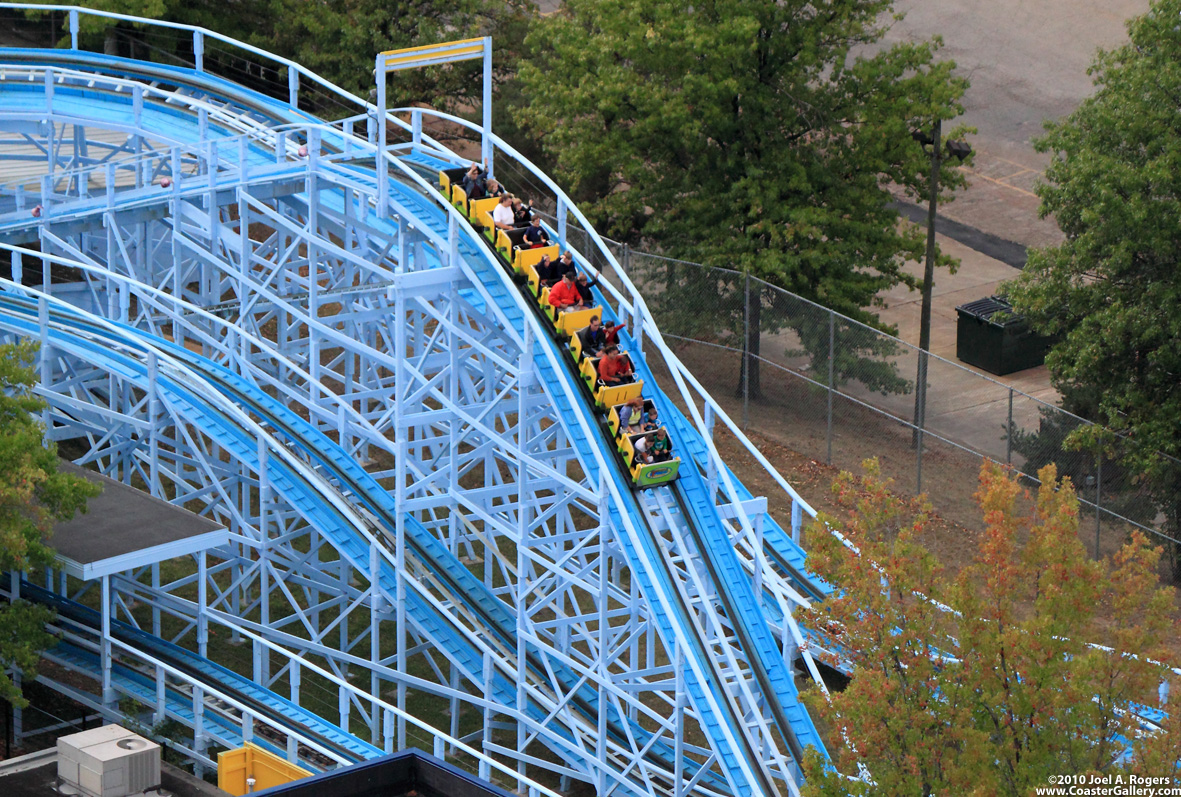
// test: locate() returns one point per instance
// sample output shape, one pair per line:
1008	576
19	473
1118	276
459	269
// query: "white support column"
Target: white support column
486	731
604	657
679	723
383	175
154	426
562	213
161	712
202	606
486	148
199	50
636	606
454	683
638	315
261	652
760	561
45	355
313	251
375	608
108	690
711	469
403	448
524	568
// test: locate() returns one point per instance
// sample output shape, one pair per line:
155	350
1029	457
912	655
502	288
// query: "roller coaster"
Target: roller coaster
441	533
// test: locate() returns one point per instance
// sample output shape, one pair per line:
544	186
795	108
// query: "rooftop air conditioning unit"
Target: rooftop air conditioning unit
108	762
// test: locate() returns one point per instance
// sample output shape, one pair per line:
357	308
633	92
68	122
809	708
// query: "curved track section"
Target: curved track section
434	544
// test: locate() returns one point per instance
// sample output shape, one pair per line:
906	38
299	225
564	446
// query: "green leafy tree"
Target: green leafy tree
339	39
1111	288
745	134
239	20
1093	460
991	690
33	496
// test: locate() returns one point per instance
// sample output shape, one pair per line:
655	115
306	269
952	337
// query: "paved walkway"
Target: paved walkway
1027	63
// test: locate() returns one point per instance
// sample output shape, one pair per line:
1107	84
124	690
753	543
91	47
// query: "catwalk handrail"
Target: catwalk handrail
217	692
637	303
192	382
626	518
199	35
636	308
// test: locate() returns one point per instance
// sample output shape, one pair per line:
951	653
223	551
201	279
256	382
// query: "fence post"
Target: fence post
1098	494
832	338
1009	432
627	259
746	352
920	402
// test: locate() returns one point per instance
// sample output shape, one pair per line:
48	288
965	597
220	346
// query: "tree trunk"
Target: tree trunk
748	377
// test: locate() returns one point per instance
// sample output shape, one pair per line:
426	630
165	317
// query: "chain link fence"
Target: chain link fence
839	391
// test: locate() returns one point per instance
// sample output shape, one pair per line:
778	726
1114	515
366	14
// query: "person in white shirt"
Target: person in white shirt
502	215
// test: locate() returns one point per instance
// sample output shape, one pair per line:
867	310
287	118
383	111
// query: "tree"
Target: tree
724	306
33	496
339	39
239	19
745	134
1110	289
1093	460
982	683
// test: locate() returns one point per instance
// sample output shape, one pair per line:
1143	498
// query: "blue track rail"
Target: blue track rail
281	712
499	288
331	460
744	608
763	650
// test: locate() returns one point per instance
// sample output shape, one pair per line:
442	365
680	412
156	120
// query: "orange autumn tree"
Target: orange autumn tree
982	682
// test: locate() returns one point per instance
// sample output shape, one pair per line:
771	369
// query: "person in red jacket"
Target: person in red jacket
614	368
564	296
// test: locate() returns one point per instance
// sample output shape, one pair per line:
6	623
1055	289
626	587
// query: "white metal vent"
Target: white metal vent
108	762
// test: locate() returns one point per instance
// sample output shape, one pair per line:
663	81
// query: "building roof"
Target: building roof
125	528
410	773
35	775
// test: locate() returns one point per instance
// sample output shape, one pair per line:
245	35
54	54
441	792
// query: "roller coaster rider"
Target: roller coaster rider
565	296
615	368
536	236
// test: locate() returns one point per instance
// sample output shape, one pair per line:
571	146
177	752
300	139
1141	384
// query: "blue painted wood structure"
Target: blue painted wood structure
280	322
